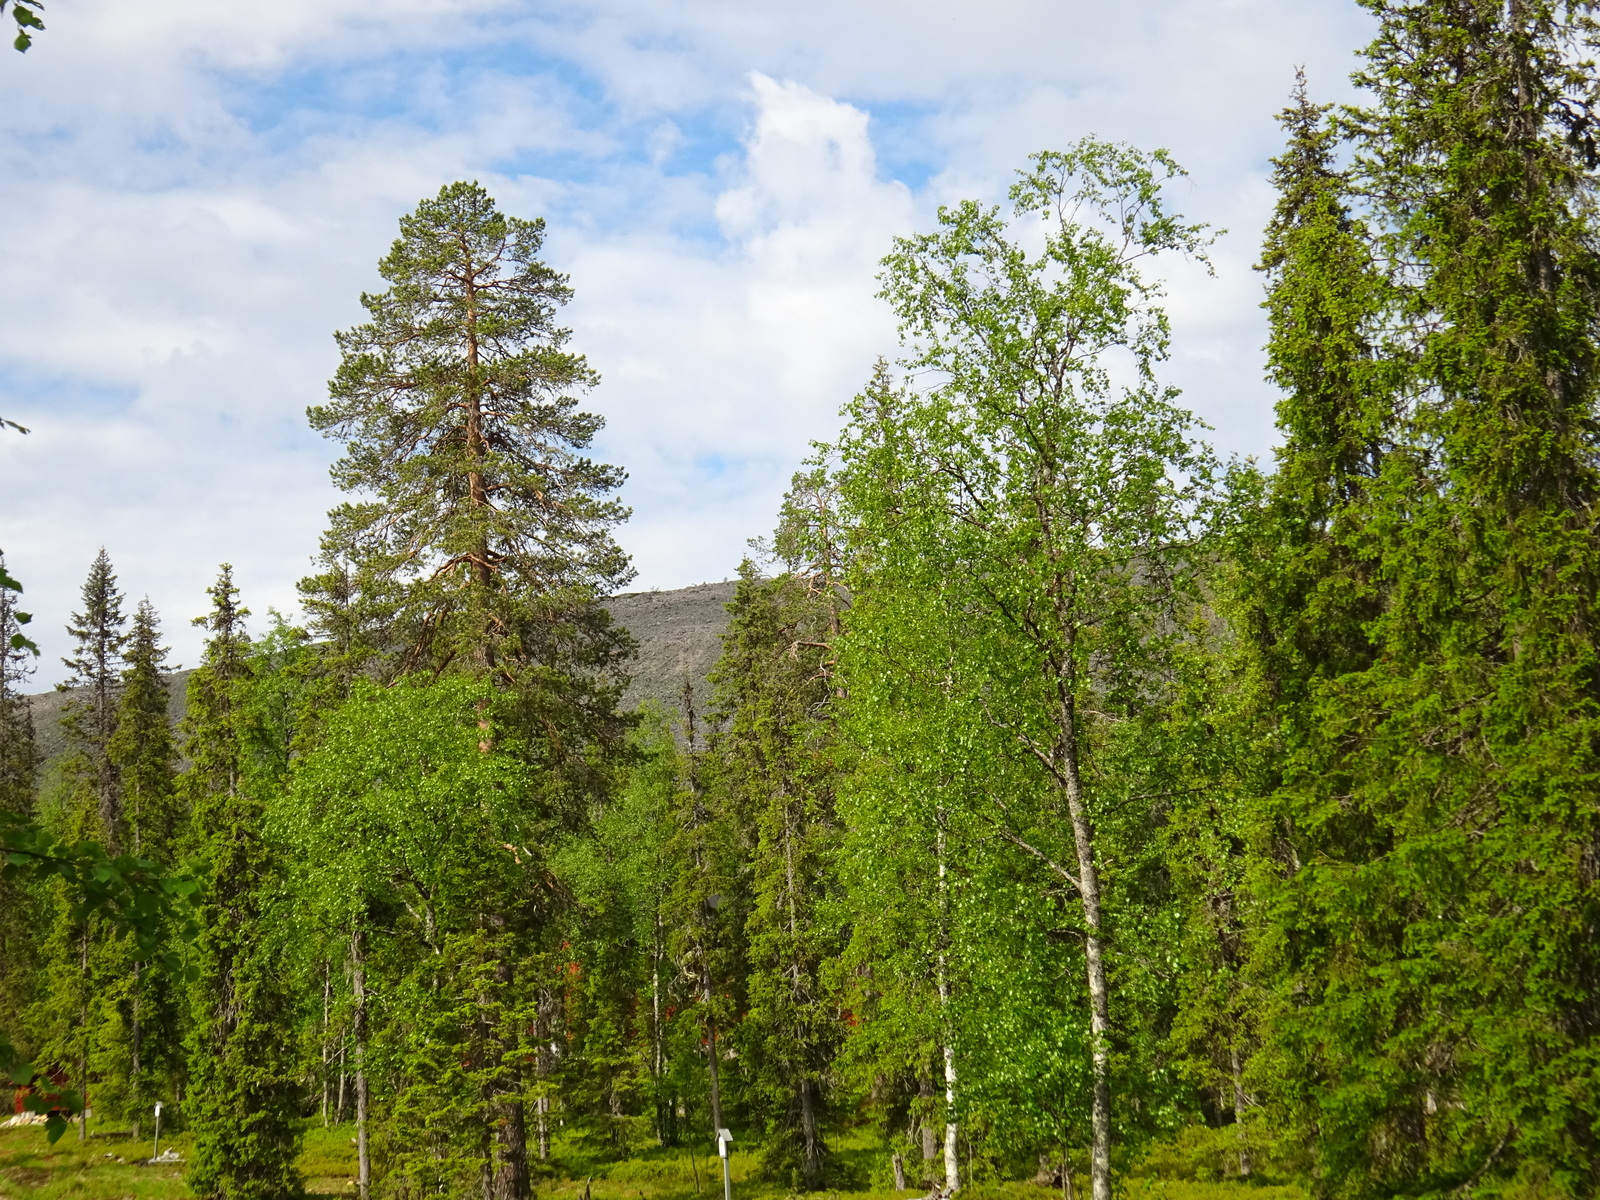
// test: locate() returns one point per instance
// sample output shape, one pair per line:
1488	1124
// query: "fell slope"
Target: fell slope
679	635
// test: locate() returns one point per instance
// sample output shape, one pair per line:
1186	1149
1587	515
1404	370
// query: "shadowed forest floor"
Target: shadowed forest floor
104	1168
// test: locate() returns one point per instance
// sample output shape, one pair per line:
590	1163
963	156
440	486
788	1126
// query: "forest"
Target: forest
1070	808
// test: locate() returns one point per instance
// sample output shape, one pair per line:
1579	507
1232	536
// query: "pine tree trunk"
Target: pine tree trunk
811	1160
358	1023
509	1114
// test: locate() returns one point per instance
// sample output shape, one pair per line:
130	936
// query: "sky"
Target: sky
195	195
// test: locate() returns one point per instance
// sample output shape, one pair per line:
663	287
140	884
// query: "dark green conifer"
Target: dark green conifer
773	758
1433	898
485	547
140	1046
20	911
243	1100
142	750
90	717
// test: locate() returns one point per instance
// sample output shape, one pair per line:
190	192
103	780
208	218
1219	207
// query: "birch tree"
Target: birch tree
1052	484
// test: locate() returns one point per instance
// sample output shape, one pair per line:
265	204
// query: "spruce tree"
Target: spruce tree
90	717
1432	899
141	1053
83	957
142	750
243	1098
772	756
20	909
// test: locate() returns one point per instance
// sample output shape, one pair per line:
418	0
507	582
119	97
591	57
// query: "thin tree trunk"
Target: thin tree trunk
655	1028
83	1039
928	1139
338	1115
135	1067
358	1021
541	1064
1094	956
327	993
1239	1105
711	1048
952	1163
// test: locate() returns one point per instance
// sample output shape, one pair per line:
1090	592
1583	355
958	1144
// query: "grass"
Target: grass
104	1168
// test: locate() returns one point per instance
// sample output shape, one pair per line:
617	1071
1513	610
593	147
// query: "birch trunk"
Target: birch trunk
1240	1103
952	1164
358	1021
1094	957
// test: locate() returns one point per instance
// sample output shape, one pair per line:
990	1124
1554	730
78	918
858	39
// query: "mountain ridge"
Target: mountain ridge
679	633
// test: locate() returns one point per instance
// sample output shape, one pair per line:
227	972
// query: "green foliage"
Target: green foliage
242	1103
1425	887
771	761
1024	559
457	405
25	13
15	640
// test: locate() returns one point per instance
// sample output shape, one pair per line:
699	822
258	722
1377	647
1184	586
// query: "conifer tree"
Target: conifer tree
90	718
243	1099
20	913
486	545
1432	938
142	750
82	956
457	403
141	1043
772	755
705	916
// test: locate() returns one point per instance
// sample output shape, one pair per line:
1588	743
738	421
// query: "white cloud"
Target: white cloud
196	193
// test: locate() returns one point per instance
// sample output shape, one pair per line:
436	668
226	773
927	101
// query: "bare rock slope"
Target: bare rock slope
679	635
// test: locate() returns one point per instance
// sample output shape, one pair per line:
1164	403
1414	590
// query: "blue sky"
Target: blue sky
196	192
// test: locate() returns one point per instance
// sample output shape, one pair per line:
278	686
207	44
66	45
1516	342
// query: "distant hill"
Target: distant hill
679	635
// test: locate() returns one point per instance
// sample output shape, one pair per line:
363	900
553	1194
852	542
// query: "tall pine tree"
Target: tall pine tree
484	549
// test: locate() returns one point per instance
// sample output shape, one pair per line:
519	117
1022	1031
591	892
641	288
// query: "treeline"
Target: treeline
1063	794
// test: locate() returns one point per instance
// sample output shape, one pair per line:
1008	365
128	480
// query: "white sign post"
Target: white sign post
724	1140
156	1152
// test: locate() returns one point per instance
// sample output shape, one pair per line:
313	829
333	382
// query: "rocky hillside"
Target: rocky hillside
679	635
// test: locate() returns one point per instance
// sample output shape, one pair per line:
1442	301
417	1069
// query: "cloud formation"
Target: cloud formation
198	193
